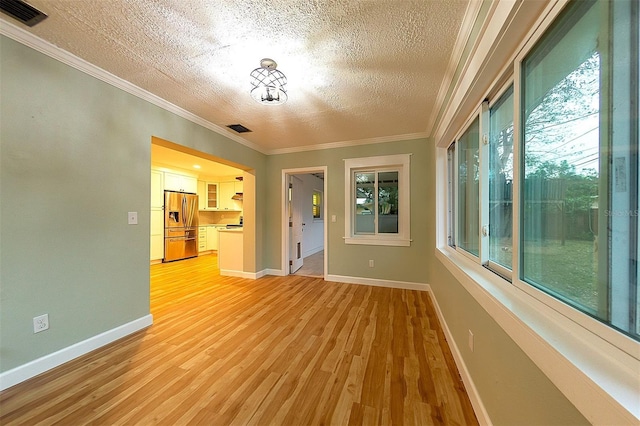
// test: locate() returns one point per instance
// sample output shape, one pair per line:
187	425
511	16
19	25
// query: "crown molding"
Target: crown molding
488	59
18	34
464	37
345	144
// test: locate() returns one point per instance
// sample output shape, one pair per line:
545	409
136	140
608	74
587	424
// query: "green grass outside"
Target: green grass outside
569	269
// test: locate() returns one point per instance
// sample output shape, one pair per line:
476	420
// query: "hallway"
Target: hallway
313	266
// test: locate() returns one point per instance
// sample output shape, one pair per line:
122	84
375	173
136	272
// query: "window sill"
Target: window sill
598	378
378	241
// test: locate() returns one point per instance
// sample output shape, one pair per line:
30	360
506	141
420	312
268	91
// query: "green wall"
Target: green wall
75	158
391	263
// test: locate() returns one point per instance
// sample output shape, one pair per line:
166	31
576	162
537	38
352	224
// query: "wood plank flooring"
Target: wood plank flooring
274	351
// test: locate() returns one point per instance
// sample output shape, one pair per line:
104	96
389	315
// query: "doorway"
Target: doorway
304	215
226	196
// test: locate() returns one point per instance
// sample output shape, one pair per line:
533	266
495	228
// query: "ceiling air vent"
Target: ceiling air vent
238	128
21	11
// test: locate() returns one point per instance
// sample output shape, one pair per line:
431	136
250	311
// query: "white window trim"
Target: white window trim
402	163
593	365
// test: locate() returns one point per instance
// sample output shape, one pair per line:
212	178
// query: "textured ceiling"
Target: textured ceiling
358	70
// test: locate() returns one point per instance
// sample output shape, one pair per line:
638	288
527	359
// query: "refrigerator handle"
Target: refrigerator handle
184	210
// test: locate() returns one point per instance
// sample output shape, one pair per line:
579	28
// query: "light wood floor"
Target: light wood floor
278	350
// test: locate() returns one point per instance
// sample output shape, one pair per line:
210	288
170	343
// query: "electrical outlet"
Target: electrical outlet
371	263
41	323
132	218
471	340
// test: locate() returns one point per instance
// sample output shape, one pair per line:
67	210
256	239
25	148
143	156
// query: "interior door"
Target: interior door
296	226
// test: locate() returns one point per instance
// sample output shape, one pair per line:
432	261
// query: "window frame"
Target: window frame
501	270
609	334
317	206
477	114
399	162
553	334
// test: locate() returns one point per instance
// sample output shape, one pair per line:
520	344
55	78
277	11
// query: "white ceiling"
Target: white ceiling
169	158
358	71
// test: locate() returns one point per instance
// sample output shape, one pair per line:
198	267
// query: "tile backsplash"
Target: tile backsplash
207	218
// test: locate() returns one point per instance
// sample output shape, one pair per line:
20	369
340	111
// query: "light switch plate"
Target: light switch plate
133	218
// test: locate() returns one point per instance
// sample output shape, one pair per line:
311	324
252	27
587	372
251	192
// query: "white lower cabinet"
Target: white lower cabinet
202	238
212	238
208	237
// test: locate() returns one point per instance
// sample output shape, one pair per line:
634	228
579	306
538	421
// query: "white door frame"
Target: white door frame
284	266
296	224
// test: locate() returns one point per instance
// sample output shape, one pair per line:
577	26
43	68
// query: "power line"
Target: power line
563	122
567	142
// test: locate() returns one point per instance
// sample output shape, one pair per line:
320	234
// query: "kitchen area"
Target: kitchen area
196	210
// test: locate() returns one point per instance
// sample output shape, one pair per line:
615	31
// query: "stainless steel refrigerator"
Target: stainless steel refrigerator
180	225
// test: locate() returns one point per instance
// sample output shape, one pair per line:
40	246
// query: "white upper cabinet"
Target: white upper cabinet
227	191
207	195
211	196
182	183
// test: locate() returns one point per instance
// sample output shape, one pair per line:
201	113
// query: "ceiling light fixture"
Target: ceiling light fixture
268	85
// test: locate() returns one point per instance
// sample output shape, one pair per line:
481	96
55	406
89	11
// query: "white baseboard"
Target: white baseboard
255	275
275	272
38	366
259	274
240	274
312	251
378	283
474	396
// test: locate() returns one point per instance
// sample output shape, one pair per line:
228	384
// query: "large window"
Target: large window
377	200
573	231
579	163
